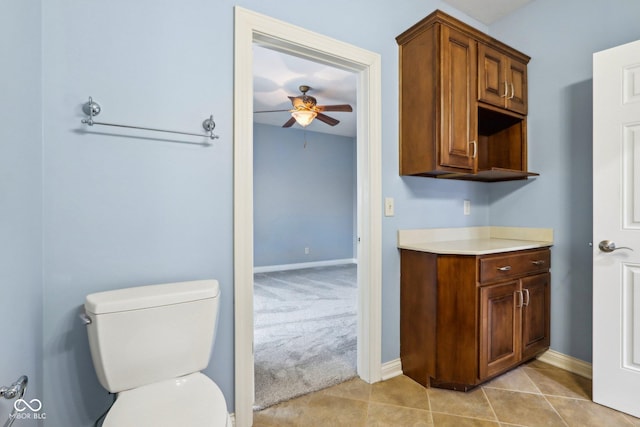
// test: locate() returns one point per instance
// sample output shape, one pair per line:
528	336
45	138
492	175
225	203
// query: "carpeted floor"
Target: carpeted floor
305	331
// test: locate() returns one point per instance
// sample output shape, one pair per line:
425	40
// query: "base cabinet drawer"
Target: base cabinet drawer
501	267
463	320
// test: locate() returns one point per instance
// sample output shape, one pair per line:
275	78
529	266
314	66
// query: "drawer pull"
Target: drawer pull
505	268
538	262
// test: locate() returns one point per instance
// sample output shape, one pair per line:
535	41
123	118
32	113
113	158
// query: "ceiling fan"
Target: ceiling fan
305	109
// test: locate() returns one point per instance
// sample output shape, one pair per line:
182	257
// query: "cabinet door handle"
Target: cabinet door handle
505	268
526	297
538	262
520	299
475	149
506	90
513	91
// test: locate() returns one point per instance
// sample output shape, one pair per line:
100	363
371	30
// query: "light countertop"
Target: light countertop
474	240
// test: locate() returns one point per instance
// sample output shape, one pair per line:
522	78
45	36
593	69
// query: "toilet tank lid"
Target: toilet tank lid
150	296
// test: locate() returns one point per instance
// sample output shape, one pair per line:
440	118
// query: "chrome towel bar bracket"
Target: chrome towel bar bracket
16	389
92	109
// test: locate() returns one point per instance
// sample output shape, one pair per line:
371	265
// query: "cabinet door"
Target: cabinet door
535	314
517	78
502	80
493	87
500	327
459	120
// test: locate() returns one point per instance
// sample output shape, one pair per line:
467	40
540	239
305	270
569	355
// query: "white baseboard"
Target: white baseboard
283	267
391	369
568	363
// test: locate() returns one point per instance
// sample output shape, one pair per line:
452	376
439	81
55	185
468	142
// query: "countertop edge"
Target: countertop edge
429	247
482	240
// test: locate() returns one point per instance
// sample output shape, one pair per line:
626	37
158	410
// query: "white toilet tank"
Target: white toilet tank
146	334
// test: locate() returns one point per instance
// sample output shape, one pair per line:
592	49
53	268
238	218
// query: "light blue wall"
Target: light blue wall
124	209
303	196
20	199
561	37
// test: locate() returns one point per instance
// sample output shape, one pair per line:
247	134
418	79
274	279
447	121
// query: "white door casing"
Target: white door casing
251	27
616	217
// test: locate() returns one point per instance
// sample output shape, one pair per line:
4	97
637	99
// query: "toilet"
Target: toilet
148	345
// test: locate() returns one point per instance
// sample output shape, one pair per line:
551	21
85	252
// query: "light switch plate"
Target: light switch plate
388	206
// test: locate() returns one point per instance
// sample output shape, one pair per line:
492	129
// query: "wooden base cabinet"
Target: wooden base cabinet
465	319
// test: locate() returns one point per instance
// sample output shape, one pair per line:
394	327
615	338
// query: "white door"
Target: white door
616	228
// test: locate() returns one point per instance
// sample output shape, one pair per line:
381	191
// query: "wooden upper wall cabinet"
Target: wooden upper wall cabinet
463	103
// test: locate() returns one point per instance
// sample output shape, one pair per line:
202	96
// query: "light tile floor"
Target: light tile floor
535	394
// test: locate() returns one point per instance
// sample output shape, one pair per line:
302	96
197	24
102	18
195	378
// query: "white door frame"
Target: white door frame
252	27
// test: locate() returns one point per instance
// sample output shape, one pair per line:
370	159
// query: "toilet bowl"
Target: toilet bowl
148	345
192	400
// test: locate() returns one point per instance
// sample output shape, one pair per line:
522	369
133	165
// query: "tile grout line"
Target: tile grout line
555	410
544	396
430	407
475	418
398	406
484	393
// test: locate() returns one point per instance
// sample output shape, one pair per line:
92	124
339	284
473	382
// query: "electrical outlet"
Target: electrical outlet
467	207
306	251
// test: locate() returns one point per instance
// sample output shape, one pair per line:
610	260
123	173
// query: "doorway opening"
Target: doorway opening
251	28
305	222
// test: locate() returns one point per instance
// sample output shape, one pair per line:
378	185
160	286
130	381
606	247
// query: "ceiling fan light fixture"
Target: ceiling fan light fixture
304	117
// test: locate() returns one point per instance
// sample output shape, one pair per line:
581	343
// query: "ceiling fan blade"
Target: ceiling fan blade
270	111
326	119
339	107
289	122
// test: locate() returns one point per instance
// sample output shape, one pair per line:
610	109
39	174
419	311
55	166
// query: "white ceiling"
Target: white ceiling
277	75
487	11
